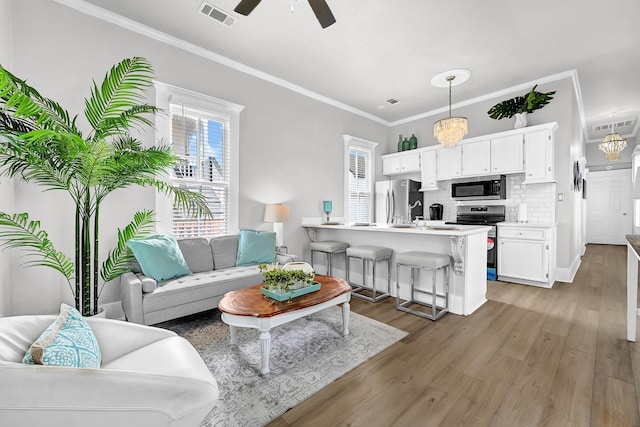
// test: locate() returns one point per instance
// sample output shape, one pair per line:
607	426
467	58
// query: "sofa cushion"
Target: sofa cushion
197	253
224	250
201	286
68	341
256	247
159	257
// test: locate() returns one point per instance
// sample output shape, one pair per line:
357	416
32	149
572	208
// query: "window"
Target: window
203	134
359	173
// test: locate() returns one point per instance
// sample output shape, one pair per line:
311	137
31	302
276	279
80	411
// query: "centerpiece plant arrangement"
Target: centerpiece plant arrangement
41	143
282	281
520	106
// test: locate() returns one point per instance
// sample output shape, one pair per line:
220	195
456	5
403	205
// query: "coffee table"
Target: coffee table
248	308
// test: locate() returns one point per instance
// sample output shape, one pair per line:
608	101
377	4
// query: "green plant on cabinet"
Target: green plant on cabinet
528	103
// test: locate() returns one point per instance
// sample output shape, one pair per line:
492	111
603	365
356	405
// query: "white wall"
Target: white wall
568	148
290	145
6	184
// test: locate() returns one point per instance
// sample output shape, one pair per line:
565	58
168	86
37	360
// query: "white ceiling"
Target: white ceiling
381	49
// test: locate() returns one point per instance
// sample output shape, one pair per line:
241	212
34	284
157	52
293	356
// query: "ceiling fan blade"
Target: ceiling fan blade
245	7
323	13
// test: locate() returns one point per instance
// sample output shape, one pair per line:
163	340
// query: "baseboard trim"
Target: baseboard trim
568	274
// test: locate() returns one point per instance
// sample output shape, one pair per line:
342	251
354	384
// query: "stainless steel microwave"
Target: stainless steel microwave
480	190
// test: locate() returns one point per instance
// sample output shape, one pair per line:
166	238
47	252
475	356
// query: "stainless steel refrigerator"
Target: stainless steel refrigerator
398	201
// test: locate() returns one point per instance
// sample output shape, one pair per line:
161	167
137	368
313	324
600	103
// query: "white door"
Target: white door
449	163
609	207
476	158
507	154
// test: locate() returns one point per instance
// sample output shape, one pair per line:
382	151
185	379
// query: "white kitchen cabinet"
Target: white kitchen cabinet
526	254
428	176
476	158
449	163
397	163
538	154
507	154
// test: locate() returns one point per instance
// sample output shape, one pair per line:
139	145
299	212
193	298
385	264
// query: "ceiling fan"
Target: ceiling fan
319	7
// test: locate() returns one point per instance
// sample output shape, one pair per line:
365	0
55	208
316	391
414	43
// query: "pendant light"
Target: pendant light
612	145
451	130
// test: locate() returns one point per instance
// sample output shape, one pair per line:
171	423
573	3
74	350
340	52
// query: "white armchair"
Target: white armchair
149	377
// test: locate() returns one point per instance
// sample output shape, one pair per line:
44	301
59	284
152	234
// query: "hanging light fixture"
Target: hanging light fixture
451	130
612	145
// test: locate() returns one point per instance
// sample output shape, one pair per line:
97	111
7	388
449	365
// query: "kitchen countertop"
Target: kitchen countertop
457	230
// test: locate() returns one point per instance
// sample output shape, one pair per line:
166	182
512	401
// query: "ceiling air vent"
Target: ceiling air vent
607	126
392	101
218	14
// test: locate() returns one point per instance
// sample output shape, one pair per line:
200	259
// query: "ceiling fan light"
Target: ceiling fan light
450	131
612	145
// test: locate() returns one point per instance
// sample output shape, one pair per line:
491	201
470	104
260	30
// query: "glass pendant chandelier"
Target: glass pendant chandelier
451	130
612	145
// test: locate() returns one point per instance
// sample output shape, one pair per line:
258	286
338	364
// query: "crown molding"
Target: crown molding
137	27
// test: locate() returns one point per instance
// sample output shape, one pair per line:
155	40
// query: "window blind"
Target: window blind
360	184
201	141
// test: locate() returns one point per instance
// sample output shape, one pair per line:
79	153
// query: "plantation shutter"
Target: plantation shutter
360	184
201	141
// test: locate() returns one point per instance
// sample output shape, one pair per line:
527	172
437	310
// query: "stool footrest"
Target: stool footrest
355	290
439	314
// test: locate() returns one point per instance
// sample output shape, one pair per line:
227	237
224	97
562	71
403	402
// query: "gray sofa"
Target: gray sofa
213	264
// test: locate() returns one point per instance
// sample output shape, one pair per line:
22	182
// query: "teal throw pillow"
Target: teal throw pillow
159	257
256	247
68	341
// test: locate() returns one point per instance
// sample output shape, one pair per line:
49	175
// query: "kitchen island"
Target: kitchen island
467	245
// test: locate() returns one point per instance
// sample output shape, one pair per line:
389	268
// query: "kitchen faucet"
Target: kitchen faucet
416	203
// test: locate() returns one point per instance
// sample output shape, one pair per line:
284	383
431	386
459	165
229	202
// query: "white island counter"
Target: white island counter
465	243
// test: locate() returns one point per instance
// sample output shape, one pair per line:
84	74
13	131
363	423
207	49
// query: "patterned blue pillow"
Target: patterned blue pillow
68	341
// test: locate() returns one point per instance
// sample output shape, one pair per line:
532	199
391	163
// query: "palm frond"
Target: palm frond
123	87
24	102
194	204
120	258
18	231
133	118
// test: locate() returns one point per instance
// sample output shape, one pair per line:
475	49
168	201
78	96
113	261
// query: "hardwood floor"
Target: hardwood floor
528	357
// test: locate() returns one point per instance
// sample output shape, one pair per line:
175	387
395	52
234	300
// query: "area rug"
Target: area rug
306	355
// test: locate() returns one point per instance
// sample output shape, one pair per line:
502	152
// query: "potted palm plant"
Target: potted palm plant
520	106
41	144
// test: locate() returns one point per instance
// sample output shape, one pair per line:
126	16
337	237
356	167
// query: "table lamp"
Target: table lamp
328	207
277	214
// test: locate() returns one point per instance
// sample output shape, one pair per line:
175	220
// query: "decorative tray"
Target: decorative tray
291	294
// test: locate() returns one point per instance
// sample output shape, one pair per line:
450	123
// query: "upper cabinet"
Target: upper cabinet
476	158
404	162
538	152
449	164
528	150
507	154
428	177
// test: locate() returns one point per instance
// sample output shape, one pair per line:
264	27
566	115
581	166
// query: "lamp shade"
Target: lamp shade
276	213
612	145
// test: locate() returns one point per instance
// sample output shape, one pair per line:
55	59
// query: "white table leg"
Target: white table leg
233	331
265	349
632	293
345	318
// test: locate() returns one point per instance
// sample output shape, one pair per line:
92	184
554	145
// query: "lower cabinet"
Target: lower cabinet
526	254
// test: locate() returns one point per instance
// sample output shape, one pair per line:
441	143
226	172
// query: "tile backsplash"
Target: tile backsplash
539	198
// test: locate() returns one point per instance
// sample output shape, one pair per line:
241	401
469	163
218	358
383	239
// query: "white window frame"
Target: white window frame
166	95
363	144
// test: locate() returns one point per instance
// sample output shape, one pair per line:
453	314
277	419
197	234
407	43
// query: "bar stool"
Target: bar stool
372	254
329	248
430	262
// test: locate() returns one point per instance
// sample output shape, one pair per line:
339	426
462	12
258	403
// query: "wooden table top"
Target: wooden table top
251	302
